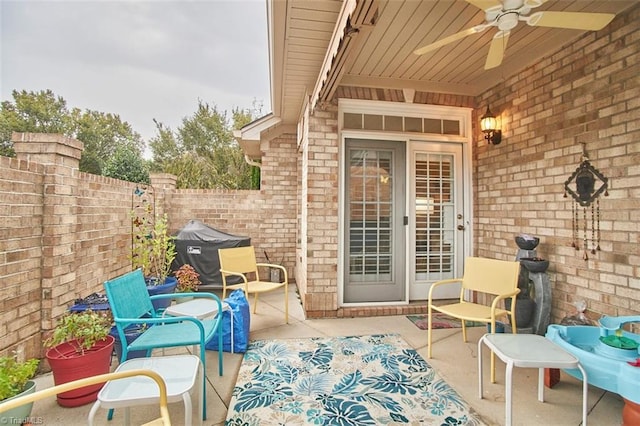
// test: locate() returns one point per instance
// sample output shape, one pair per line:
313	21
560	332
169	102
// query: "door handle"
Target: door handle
460	227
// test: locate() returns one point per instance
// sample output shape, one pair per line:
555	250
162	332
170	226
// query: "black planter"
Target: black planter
169	286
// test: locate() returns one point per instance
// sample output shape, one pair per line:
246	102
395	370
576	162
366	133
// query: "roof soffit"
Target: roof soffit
384	56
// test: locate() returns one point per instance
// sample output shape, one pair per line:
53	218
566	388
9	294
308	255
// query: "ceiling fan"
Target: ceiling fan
506	14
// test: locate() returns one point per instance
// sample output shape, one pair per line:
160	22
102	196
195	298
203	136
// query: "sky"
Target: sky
141	60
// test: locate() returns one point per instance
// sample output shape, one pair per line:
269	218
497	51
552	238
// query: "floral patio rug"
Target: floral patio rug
356	380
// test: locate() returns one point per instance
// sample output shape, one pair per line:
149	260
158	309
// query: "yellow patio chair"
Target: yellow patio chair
497	279
44	393
241	262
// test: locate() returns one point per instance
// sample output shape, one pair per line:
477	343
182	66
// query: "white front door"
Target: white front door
437	217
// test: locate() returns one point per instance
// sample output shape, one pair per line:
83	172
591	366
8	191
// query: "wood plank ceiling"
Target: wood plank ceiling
385	58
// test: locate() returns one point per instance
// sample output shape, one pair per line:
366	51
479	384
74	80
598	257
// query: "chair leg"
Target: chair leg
429	331
255	302
204	382
464	330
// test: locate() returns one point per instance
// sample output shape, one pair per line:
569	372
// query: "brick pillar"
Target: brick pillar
163	181
60	157
164	184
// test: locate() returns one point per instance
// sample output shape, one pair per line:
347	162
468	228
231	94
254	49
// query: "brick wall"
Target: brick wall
21	215
319	291
587	93
268	216
63	233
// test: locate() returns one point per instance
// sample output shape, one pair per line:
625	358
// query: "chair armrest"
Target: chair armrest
168	320
500	297
240	274
162	320
442	282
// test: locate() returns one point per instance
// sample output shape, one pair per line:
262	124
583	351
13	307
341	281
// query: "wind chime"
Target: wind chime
585	186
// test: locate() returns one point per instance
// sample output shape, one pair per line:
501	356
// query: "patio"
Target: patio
562	404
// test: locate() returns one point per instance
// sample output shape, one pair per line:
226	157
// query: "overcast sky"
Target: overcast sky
138	59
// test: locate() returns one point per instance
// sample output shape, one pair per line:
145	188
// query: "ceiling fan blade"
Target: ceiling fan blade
572	20
452	38
496	49
534	3
485	4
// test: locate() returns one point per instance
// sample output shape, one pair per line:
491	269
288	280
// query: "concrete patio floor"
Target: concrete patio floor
455	362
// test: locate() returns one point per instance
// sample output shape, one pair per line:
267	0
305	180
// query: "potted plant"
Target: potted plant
79	347
15	381
153	250
188	279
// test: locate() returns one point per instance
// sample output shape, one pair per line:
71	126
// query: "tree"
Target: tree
102	134
44	112
38	112
127	164
202	152
164	146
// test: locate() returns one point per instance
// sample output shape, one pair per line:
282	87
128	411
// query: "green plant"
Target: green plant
188	279
153	248
81	329
15	374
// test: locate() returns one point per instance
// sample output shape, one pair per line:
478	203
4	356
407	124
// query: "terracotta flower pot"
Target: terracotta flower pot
68	365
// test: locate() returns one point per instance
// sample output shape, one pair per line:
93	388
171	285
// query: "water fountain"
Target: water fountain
533	307
609	354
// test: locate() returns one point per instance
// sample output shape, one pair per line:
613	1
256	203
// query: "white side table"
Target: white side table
529	351
181	373
199	308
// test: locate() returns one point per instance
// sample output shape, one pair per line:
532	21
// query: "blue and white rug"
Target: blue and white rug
346	381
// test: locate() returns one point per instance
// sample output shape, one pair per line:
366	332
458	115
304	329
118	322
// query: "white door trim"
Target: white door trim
462	114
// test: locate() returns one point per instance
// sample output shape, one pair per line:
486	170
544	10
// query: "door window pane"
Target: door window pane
371	212
434	217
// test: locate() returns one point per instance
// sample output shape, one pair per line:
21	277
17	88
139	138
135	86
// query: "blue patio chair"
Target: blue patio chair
131	304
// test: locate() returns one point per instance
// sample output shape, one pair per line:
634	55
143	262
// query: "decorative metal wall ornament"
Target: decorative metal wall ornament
585	186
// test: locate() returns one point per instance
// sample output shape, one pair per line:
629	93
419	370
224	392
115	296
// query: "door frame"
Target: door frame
462	114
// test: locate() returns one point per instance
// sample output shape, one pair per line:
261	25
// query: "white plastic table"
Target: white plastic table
529	351
199	308
181	373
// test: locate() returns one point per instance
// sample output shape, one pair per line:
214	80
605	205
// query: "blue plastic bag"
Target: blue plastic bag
240	306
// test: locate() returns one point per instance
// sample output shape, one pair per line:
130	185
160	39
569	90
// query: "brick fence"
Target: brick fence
64	232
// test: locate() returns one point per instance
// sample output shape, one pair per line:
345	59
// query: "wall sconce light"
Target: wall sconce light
488	124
